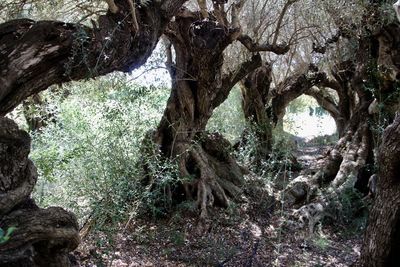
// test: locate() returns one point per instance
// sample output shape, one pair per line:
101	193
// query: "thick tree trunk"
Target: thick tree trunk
381	244
198	87
350	154
37	54
382	238
43	237
255	96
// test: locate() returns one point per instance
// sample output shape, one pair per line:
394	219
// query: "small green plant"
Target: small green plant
178	238
322	242
353	211
5	236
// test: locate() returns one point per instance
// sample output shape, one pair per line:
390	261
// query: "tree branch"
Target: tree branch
280	19
229	80
112	6
292	88
37	54
252	46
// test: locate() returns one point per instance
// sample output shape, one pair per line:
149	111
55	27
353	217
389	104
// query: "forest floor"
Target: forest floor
250	233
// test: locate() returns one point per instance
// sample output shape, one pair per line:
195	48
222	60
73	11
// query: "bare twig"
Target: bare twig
280	19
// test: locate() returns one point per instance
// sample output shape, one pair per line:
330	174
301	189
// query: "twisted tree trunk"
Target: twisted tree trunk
382	238
43	237
255	97
198	87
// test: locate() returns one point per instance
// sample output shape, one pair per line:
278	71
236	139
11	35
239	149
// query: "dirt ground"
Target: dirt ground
249	233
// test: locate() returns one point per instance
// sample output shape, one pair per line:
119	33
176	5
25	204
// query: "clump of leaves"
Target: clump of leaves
87	159
353	210
5	235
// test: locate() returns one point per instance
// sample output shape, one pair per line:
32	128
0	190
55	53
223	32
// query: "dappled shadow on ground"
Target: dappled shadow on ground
250	233
311	157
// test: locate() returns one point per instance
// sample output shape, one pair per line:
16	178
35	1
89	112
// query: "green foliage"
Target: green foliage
228	118
352	210
87	160
79	51
280	159
247	152
5	236
322	242
161	179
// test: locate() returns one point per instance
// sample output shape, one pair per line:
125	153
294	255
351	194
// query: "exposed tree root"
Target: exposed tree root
339	174
209	174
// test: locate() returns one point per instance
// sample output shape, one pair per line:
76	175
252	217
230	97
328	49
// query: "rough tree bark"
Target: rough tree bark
381	244
43	237
33	56
37	54
377	66
255	97
198	87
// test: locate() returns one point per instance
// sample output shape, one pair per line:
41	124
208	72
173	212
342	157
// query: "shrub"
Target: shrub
87	159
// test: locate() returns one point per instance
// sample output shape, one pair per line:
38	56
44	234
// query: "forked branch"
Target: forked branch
280	19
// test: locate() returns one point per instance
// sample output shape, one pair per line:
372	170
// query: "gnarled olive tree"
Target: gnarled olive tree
199	85
33	56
